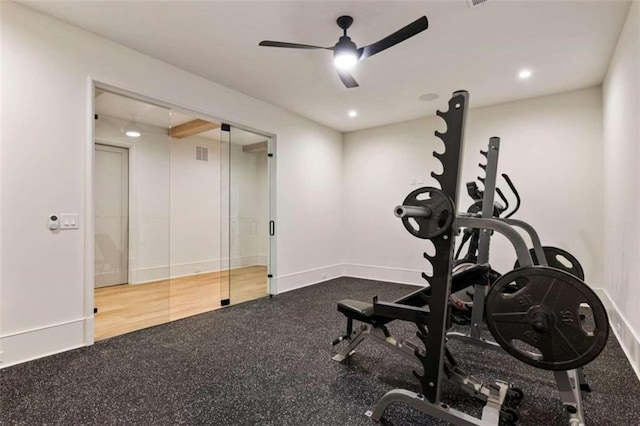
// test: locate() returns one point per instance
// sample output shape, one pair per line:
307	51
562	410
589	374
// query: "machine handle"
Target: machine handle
515	192
272	228
504	199
474	193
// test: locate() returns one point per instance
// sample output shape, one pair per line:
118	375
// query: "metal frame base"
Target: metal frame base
569	383
490	412
569	387
379	335
454	374
480	342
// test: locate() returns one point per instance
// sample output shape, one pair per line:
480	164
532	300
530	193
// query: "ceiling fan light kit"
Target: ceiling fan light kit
345	52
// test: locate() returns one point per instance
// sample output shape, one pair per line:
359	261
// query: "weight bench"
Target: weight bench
414	308
374	326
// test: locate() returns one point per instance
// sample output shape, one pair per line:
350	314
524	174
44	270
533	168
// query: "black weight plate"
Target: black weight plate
564	342
441	219
558	258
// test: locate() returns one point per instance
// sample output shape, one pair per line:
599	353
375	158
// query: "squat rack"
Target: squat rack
432	319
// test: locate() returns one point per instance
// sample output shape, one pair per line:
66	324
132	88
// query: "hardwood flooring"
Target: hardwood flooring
129	307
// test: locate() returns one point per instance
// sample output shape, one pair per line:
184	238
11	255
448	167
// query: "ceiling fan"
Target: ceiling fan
345	52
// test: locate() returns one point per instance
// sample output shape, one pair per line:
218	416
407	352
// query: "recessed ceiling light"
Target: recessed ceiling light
353	113
524	74
131	131
427	97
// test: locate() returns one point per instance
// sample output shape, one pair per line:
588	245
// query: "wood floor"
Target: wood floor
129	307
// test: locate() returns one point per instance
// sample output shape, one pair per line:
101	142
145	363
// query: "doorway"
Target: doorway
111	226
184	212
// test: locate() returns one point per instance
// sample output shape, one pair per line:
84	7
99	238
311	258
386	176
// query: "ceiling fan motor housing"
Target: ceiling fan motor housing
345	45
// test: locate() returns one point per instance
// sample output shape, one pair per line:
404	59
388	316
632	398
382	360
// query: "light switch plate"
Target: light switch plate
69	221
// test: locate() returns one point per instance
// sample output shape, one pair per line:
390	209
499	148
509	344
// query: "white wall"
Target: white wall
249	211
550	146
195	207
621	92
195	221
45	306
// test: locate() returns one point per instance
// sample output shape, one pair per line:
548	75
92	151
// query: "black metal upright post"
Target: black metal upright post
442	261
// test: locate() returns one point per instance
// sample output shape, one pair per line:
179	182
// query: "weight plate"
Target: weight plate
442	213
554	321
560	259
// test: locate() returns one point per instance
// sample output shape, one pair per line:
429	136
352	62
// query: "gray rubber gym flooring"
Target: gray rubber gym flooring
268	362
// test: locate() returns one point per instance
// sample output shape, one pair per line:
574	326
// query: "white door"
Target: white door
111	194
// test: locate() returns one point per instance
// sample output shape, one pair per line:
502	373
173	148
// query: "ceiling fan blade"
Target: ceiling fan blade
270	43
347	79
402	34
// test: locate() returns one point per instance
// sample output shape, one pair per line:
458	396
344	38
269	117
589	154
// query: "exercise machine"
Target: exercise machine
537	306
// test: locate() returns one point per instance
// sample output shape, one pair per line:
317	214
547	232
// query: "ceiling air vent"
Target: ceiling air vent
202	153
474	3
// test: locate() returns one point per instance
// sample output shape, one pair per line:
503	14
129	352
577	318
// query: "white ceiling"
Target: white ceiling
567	45
135	111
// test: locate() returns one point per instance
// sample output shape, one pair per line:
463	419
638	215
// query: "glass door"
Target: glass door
196	197
247	215
183	214
131	193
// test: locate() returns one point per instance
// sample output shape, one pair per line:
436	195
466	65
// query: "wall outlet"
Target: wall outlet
324	276
197	270
1	353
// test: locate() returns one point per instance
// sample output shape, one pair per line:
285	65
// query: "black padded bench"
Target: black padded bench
363	311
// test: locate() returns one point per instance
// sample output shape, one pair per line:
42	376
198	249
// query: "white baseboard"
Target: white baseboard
301	279
378	273
385	273
40	342
177	270
627	337
241	262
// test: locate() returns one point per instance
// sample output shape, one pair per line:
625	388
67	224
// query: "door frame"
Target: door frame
272	287
89	238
